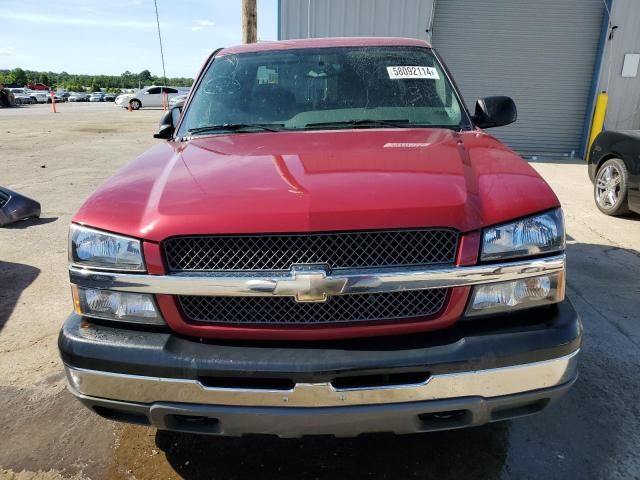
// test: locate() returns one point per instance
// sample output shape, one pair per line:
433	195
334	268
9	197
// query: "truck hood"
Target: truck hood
318	181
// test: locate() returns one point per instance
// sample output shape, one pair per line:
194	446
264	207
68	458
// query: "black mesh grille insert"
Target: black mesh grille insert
337	309
338	250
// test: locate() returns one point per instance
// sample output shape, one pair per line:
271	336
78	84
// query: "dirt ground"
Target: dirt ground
45	434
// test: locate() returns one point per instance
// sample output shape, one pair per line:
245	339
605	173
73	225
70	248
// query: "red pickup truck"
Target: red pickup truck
327	243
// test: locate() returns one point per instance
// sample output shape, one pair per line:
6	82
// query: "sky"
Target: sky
111	36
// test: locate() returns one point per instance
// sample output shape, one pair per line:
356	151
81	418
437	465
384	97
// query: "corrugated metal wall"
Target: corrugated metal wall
354	18
623	112
541	53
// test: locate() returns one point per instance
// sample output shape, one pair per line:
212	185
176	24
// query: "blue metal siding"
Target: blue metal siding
354	18
541	53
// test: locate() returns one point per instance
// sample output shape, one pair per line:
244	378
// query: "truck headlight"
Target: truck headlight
543	233
97	249
111	305
515	295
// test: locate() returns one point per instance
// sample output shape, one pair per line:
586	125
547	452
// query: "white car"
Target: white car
39	95
148	97
96	97
178	101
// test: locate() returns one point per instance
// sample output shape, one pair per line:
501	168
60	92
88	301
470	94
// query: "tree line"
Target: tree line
78	82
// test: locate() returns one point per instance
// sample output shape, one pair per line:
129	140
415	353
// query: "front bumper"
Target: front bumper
349	421
475	372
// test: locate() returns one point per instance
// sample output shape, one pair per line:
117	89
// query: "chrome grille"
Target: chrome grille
337	309
337	250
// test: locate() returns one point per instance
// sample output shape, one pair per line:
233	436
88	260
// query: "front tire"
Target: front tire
610	187
135	104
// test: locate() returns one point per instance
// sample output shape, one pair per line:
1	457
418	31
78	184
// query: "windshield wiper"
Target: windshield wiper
382	123
236	127
455	128
363	123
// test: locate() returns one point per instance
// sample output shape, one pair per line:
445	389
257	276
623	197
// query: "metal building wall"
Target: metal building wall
541	53
354	18
623	112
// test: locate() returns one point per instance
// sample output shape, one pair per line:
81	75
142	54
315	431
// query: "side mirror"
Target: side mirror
168	124
495	112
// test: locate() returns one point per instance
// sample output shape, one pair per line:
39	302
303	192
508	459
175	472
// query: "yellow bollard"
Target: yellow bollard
598	117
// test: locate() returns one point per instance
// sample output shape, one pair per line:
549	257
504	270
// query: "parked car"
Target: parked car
18	91
7	98
148	97
614	170
37	96
178	101
78	97
339	250
109	97
56	96
41	95
97	97
21	97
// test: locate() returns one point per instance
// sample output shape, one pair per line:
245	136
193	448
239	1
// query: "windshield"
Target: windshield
322	88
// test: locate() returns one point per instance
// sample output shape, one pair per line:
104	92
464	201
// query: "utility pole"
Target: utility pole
249	21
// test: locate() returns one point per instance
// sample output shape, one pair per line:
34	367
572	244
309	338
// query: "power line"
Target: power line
164	72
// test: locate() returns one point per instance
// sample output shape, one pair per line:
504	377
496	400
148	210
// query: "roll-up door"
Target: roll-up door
541	53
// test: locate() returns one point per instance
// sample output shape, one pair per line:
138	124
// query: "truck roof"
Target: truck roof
325	42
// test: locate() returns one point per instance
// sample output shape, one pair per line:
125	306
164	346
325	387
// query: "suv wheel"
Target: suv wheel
610	189
135	104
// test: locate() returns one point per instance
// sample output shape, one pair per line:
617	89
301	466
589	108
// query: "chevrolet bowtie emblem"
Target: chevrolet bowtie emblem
309	284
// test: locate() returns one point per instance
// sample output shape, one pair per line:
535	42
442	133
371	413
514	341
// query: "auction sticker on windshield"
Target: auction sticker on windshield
405	72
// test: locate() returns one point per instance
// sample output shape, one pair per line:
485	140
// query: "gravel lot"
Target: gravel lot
59	159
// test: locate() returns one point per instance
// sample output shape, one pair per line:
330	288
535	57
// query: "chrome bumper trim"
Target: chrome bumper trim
480	383
303	285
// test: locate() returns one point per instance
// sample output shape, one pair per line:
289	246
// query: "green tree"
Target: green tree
19	76
145	77
73	87
44	78
6	78
128	79
93	82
